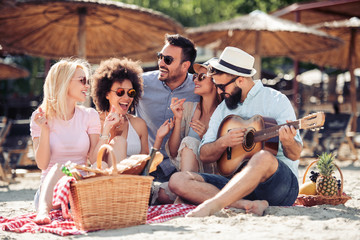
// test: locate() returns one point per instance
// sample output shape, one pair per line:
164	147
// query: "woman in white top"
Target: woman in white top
116	89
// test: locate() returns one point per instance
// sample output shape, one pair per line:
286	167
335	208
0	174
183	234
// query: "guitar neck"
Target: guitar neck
271	132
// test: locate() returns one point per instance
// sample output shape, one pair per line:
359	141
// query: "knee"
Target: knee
178	182
264	159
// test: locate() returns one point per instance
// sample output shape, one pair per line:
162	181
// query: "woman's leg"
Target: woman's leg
188	161
46	194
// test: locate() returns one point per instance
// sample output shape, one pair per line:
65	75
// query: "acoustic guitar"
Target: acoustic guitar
261	133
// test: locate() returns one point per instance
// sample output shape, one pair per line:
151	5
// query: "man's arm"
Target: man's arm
292	148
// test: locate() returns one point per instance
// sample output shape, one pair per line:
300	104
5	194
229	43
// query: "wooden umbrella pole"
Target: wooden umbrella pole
257	55
353	99
295	87
82	32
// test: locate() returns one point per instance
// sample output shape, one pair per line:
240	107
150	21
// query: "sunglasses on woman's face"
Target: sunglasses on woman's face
84	80
212	71
167	59
199	77
121	91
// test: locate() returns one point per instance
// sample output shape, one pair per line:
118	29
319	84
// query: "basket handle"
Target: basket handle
100	155
341	175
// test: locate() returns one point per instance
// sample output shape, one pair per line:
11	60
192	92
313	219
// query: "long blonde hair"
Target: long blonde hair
56	86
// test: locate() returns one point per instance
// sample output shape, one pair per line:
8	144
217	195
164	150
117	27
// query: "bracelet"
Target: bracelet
105	137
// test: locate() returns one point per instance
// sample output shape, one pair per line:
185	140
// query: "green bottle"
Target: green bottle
66	171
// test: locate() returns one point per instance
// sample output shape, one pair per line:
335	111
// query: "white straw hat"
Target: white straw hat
235	61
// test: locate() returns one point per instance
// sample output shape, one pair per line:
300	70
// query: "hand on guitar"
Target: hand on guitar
287	134
177	107
234	137
291	147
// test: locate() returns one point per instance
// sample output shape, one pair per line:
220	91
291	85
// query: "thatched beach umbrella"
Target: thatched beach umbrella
347	56
260	34
321	11
12	71
85	28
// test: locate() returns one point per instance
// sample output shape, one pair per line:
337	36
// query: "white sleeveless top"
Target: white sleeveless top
133	141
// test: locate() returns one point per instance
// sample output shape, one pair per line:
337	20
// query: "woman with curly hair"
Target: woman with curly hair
116	89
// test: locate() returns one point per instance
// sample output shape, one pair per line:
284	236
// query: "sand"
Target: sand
319	222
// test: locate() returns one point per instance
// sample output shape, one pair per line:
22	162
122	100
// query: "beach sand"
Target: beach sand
298	222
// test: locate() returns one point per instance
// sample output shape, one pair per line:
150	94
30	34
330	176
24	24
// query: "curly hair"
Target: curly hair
115	70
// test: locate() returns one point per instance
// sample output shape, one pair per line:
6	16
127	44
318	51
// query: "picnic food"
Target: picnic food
326	184
308	188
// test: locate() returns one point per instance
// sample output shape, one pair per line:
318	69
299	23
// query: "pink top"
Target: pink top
69	140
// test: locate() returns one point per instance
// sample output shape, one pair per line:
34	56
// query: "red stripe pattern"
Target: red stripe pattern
62	224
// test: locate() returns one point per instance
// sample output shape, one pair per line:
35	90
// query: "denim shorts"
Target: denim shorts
281	189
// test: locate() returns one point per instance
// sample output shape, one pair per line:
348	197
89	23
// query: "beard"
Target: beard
232	100
171	76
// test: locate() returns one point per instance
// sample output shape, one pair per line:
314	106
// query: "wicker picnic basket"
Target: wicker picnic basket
109	201
312	200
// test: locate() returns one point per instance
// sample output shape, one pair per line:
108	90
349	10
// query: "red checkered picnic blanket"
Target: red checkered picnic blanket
61	223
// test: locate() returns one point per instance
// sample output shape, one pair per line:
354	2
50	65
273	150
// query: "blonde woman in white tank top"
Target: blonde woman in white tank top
116	88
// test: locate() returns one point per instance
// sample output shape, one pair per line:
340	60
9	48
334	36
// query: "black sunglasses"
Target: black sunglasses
84	81
167	59
223	86
121	91
213	71
199	77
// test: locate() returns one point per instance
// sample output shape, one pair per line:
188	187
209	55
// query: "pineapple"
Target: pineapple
326	184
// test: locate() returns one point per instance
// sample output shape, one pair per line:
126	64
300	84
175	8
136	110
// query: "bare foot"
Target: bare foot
207	208
257	207
42	218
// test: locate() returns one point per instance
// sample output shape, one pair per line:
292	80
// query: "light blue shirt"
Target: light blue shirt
263	101
154	107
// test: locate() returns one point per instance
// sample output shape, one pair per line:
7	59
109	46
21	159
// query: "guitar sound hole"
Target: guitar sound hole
249	141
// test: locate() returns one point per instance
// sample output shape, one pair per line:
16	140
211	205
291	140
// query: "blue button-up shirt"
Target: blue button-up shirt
154	107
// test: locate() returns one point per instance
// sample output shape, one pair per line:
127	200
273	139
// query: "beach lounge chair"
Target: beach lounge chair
333	134
353	137
4	167
16	143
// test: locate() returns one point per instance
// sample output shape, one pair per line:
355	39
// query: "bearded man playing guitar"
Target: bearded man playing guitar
266	179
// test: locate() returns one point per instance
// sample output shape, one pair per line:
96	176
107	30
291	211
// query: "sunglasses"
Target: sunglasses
199	77
84	81
121	91
167	59
223	86
213	71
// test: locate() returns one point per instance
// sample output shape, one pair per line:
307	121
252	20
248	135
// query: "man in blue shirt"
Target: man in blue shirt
268	178
171	80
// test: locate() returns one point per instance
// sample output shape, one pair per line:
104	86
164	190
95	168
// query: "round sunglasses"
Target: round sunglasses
199	77
167	59
121	91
